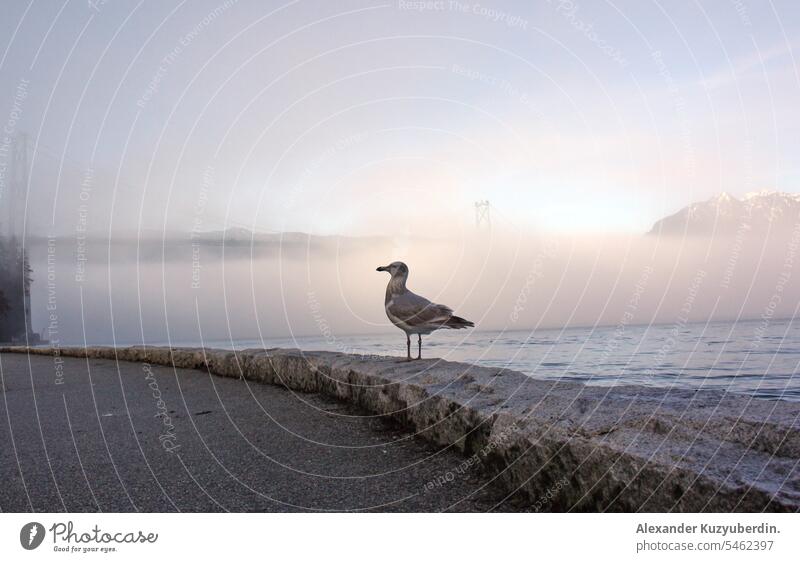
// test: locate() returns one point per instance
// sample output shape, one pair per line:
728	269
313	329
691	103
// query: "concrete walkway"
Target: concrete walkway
96	435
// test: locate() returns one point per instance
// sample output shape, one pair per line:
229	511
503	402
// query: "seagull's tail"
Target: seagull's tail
456	323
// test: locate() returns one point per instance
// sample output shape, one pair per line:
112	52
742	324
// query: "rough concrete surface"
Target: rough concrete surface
122	436
561	446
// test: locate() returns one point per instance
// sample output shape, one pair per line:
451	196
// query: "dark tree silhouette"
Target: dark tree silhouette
15	280
4	308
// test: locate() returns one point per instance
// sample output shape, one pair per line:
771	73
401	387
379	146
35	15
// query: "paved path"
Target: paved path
127	437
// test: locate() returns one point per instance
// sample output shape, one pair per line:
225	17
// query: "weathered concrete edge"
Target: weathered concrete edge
540	460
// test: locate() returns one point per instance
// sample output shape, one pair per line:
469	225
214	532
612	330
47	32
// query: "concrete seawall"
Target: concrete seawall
564	446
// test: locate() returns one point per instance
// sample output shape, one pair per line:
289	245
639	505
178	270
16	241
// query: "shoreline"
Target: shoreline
564	445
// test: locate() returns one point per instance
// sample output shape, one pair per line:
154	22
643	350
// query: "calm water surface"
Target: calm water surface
749	357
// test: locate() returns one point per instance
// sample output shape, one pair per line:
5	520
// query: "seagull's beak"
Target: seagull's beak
382	268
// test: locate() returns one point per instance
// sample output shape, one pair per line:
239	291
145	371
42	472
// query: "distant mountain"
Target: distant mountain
725	215
238	236
235	236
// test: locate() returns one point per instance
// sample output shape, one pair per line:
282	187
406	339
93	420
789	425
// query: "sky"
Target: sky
373	117
581	122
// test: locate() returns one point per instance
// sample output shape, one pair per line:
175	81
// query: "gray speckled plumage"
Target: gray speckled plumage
413	313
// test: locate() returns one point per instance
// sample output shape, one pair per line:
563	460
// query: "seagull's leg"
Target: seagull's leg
419	346
408	346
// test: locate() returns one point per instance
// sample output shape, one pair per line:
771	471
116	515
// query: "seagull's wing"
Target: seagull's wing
417	311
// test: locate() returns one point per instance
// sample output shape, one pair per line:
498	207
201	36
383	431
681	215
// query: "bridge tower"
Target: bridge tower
482	217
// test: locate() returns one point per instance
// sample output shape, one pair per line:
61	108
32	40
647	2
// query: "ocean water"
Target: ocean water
757	358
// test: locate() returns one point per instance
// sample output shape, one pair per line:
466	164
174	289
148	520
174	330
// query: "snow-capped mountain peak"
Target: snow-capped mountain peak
724	214
723	197
763	193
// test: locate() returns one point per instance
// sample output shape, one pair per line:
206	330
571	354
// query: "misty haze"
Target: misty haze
198	192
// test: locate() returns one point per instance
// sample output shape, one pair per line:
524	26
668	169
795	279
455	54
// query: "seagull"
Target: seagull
415	314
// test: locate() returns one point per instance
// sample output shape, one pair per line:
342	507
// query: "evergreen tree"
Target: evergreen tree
15	280
4	308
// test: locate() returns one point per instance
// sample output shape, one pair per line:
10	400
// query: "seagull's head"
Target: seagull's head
396	268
